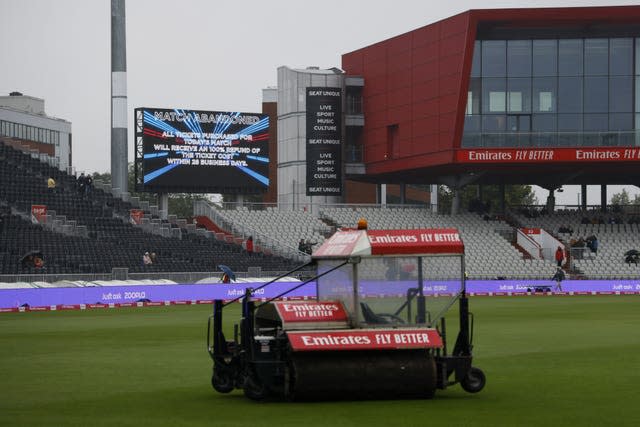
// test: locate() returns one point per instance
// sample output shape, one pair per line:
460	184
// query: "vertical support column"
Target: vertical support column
603	198
119	149
383	194
455	201
163	205
503	199
434	198
551	200
583	200
403	193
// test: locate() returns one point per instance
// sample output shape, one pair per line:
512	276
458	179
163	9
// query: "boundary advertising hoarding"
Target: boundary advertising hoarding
324	141
198	151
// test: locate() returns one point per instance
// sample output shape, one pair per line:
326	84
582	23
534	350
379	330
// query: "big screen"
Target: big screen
201	151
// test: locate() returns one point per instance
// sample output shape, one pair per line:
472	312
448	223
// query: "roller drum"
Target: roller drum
379	374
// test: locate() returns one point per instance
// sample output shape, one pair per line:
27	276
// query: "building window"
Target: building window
545	92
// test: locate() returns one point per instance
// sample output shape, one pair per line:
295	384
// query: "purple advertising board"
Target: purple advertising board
42	297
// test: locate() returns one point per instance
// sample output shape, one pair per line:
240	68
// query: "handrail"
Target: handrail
532	241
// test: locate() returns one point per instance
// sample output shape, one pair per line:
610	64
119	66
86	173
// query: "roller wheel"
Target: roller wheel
222	381
474	381
253	389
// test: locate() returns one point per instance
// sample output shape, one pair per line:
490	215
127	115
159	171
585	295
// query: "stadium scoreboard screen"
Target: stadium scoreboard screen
201	151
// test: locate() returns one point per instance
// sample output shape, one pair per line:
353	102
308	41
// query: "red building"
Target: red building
533	96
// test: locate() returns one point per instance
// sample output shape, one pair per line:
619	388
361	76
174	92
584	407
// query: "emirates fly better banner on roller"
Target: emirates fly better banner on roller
324	137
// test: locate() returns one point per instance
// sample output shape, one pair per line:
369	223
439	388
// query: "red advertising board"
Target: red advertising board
417	241
341	244
38	213
365	339
392	242
548	155
311	311
526	230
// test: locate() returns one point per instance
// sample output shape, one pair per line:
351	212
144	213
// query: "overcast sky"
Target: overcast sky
196	54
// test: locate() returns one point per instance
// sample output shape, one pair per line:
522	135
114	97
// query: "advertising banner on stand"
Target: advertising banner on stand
38	214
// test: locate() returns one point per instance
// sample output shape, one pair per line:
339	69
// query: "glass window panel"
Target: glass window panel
543	123
569	122
475	67
596	94
545	57
570	94
637	56
472	124
596	57
596	122
494	62
473	96
621	122
544	94
637	109
570	58
620	94
519	95
493	123
493	95
515	101
620	57
519	58
496	102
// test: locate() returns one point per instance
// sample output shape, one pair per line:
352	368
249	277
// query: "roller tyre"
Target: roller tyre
222	382
474	381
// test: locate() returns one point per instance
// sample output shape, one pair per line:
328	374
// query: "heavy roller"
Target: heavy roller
376	329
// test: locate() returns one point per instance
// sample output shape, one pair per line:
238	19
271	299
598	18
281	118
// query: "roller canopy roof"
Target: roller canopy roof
346	243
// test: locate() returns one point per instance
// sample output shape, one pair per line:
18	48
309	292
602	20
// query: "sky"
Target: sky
199	54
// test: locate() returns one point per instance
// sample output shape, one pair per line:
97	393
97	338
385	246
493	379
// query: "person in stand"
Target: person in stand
51	185
249	245
146	259
88	184
558	278
82	182
153	257
38	262
559	256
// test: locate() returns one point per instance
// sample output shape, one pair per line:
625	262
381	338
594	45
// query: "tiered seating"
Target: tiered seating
488	254
111	241
287	227
614	240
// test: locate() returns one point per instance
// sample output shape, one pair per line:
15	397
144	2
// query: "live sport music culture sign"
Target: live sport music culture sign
324	137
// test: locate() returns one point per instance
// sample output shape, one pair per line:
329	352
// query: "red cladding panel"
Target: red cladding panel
400	97
400	79
400	44
354	63
400	62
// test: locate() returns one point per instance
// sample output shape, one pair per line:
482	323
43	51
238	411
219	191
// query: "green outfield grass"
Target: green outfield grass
549	361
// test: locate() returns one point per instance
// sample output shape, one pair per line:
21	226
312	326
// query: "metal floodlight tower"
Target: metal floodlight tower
119	161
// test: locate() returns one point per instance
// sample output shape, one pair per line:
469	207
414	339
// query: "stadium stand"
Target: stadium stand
617	232
91	233
490	254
